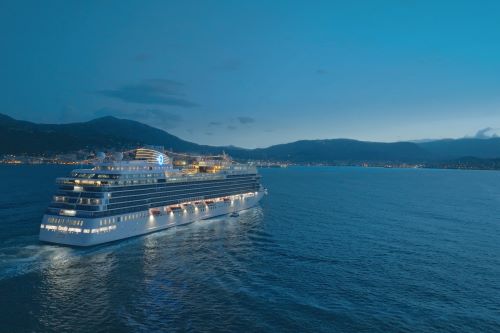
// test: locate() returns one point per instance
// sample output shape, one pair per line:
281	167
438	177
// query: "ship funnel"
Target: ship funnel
152	156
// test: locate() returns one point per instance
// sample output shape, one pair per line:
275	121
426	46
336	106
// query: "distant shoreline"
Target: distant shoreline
284	165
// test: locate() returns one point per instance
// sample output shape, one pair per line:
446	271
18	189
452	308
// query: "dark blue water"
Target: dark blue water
328	250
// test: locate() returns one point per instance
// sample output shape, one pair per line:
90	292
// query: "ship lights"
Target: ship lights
67	212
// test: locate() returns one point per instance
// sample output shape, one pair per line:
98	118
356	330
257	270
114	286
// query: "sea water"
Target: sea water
330	249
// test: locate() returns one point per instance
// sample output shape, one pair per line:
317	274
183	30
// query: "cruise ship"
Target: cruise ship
121	197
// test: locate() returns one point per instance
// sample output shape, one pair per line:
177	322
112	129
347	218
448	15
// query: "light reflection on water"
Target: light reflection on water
77	279
156	268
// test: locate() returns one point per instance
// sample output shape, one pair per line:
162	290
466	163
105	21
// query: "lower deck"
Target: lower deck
86	232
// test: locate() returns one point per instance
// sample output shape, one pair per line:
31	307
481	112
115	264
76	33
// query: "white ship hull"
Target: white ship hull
87	232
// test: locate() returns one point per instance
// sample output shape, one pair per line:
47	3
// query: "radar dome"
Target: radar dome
118	156
100	156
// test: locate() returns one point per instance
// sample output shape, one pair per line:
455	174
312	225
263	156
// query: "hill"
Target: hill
108	132
342	150
457	148
23	137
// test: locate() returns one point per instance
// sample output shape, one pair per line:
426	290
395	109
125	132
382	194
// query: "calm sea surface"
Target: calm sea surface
328	250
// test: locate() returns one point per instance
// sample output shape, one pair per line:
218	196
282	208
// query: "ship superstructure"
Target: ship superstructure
120	198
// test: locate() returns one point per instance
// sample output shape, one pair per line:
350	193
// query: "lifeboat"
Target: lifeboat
155	212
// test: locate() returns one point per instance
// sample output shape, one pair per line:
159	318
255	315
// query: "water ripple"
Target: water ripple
329	249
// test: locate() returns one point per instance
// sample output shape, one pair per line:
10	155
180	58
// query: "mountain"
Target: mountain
457	148
23	137
342	150
108	132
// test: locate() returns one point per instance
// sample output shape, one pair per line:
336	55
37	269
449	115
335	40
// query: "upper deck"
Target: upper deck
97	189
125	172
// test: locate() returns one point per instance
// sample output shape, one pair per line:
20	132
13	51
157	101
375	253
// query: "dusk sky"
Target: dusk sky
256	73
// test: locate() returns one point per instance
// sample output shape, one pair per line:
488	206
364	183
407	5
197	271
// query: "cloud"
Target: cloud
214	123
155	91
154	117
246	120
321	71
209	133
486	133
231	127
